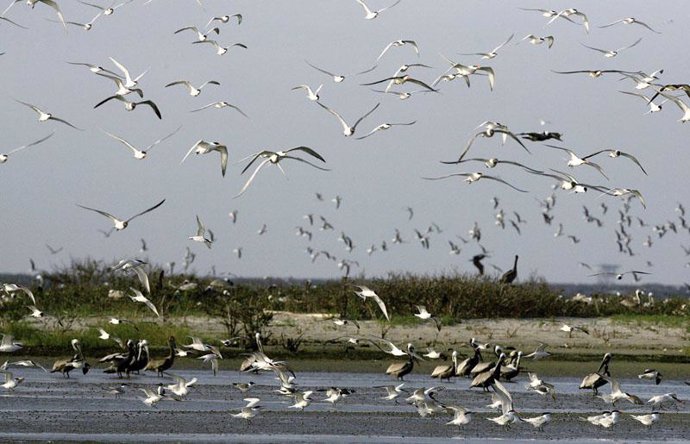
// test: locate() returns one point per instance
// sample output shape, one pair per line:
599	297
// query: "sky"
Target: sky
377	177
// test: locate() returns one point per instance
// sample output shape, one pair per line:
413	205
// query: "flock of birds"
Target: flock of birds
404	82
488	375
470	165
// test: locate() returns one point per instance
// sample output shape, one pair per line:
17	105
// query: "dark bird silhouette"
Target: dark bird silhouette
477	262
510	275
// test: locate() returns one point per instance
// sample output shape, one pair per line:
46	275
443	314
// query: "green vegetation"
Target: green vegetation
88	289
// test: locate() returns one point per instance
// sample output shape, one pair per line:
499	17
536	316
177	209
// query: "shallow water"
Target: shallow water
47	406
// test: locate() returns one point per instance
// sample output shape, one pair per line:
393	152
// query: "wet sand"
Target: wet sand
47	406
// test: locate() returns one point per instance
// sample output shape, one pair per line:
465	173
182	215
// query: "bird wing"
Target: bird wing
251	178
612	23
104	213
340	118
223	150
143	278
163	139
630	46
307	150
504	43
147	210
503	181
504	396
153	107
631	157
319	69
31	144
365	115
382	306
304	161
122	68
191	149
388	46
180	82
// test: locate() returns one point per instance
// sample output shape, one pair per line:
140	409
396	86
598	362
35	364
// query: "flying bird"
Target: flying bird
274	157
347	129
365	292
203	147
45	116
370	15
119	223
141	154
4	157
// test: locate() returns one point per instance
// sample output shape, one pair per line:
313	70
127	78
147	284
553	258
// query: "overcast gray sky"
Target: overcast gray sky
377	177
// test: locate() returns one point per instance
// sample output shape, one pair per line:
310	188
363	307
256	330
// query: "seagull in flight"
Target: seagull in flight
33	3
347	129
220	50
370	15
203	147
4	157
275	157
139	297
119	223
44	116
613	153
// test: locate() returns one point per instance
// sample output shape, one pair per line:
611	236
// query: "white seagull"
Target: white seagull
370	15
347	129
200	235
193	90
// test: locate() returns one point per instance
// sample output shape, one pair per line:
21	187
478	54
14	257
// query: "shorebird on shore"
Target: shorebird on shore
595	380
400	369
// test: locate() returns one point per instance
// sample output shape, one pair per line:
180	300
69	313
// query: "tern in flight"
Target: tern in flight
629	21
44	116
33	3
203	147
475	177
347	129
365	292
4	157
370	15
130	105
338	78
494	52
275	157
612	52
200	235
119	223
220	50
193	90
617	153
141	154
397	44
219	105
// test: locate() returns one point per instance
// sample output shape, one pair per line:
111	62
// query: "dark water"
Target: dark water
49	407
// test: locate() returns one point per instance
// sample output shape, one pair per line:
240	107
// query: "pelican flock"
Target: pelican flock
544	124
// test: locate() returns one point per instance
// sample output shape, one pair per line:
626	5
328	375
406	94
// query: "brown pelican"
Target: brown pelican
446	371
400	369
65	366
161	365
487	378
142	358
510	275
511	370
466	366
120	362
595	380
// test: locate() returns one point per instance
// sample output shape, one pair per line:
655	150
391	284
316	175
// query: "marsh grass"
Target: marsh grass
75	293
